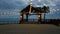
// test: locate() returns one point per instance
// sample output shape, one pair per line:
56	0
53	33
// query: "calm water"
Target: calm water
15	20
9	20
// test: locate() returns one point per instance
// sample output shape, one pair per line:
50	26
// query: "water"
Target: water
9	20
16	20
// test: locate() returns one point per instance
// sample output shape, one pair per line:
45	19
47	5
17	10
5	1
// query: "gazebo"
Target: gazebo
34	11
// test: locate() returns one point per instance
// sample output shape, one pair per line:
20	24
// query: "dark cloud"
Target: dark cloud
6	4
20	4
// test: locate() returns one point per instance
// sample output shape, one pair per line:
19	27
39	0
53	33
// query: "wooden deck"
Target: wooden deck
29	29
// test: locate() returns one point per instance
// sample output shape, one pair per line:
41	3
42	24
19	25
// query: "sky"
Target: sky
11	8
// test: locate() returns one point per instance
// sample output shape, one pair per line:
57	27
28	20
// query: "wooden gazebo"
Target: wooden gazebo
34	10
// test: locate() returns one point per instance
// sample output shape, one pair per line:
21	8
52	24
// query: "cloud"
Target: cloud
23	3
20	4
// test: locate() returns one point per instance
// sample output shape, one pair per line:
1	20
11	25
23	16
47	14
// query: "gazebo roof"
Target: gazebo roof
36	9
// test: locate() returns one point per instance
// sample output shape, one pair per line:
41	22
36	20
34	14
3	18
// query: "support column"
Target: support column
44	13
21	18
26	17
39	18
44	18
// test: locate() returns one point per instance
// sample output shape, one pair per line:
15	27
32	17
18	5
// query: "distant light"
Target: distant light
20	16
38	15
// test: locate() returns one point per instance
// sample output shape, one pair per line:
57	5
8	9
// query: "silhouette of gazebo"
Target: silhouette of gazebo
34	10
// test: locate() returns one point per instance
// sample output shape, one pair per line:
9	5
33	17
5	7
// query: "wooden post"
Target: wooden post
26	17
44	18
39	18
21	18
